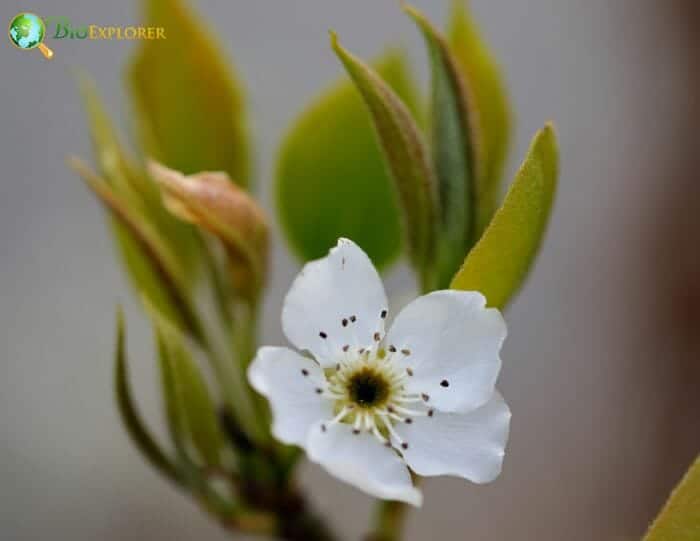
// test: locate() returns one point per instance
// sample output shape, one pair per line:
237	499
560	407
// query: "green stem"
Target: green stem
389	522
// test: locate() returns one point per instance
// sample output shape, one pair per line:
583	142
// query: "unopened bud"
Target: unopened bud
211	201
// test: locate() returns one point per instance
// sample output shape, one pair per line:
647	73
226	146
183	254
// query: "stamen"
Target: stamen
304	372
323	335
391	430
344	322
358	423
388	413
411	399
406	411
353	318
445	383
378	435
406	351
341	415
383	314
331	393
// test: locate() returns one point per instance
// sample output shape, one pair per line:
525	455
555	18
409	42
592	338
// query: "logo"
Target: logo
27	31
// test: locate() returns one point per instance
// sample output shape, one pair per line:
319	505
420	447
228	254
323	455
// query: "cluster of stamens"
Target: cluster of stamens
367	387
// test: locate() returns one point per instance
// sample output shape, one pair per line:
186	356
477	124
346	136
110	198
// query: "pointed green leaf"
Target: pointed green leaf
196	405
453	153
135	187
491	106
500	261
192	418
331	178
406	156
149	263
191	111
173	413
111	157
679	520
129	414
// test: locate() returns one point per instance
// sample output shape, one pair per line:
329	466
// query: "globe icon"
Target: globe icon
27	31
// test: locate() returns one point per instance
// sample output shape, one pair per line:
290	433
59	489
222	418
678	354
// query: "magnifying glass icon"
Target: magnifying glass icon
27	31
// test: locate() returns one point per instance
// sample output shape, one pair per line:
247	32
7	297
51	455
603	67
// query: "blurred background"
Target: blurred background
601	364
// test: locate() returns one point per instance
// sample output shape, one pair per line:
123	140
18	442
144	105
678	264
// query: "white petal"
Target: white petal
362	461
454	343
469	445
289	381
335	301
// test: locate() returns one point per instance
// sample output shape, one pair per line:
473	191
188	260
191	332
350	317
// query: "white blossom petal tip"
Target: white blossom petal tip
375	404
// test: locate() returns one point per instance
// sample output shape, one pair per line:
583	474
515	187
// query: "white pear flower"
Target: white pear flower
368	404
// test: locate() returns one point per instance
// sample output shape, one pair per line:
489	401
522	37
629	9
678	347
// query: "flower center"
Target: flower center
368	388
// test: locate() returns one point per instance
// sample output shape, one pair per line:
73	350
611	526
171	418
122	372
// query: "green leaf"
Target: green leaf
499	263
111	157
331	177
491	106
191	111
135	187
173	413
149	263
453	153
199	413
406	157
679	520
130	416
189	408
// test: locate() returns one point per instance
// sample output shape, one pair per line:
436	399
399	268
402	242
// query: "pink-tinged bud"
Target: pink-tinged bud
211	201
